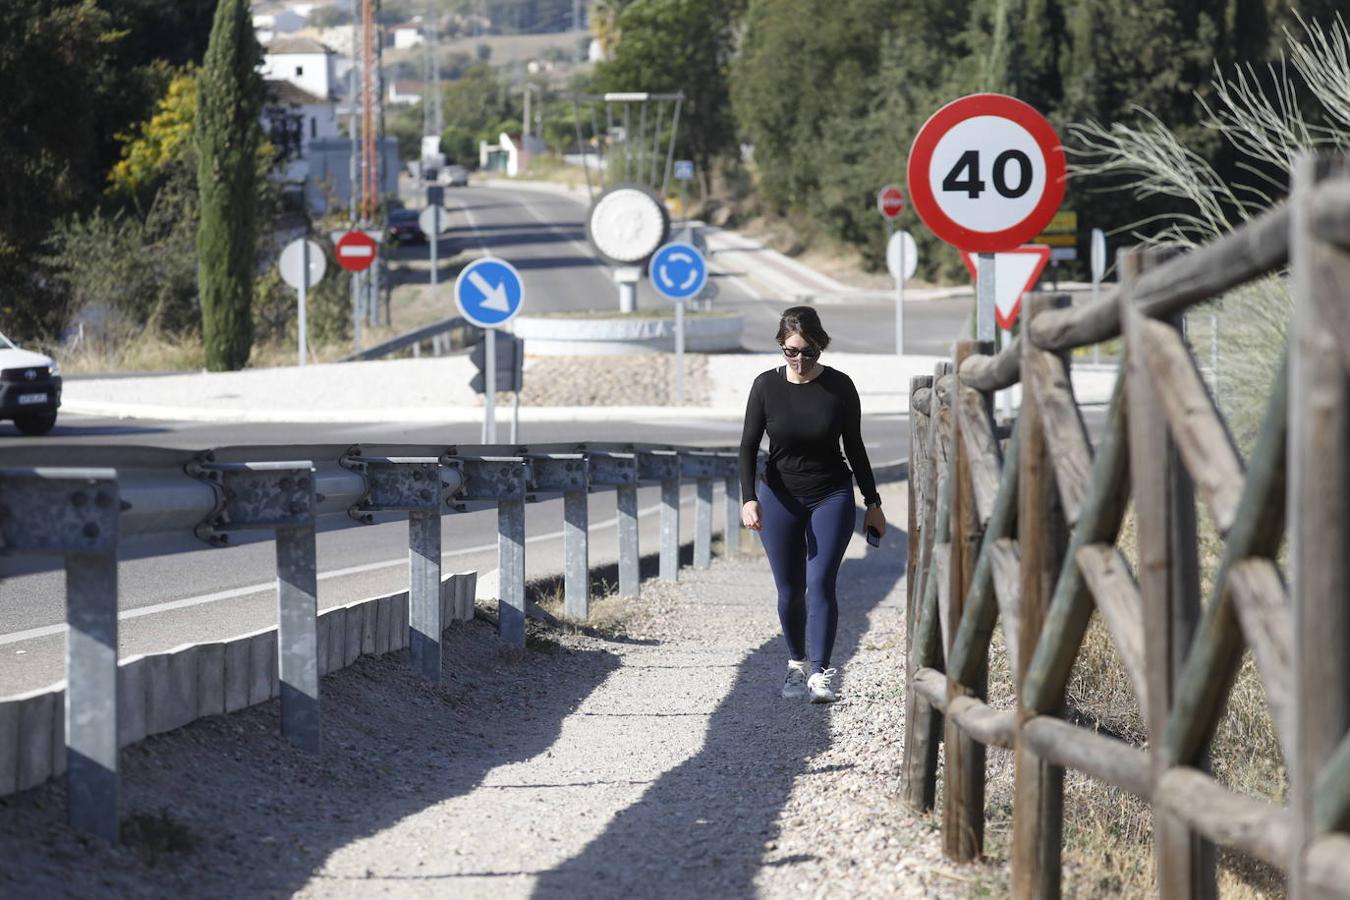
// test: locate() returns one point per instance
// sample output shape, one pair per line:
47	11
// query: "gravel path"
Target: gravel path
650	756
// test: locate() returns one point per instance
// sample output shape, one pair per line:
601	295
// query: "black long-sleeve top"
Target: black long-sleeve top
805	423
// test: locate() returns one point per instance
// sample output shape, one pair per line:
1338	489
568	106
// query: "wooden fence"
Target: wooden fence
1020	530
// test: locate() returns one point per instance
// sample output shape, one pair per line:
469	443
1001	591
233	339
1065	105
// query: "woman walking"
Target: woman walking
804	509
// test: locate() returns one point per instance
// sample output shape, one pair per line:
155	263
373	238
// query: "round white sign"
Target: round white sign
901	246
293	263
987	174
627	225
431	220
1098	254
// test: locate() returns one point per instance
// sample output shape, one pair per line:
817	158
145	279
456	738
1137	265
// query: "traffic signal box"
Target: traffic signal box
510	353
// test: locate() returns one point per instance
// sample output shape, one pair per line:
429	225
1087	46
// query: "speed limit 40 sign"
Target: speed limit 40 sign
986	173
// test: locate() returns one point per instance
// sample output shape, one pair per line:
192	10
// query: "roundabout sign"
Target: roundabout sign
986	173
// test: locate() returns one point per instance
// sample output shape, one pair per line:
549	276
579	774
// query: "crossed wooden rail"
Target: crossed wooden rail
1020	531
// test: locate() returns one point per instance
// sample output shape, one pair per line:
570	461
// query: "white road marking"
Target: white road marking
468	214
188	602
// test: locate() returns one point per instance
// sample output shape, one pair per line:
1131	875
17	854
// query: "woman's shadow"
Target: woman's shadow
701	830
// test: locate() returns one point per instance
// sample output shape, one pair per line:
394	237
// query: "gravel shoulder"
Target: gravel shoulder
648	755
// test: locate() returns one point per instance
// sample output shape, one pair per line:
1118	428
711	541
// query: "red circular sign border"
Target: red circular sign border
881	206
361	238
921	156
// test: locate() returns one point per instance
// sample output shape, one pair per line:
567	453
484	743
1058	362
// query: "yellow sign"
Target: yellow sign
1062	232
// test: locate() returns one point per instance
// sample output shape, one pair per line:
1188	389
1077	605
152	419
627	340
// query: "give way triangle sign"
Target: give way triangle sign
1015	273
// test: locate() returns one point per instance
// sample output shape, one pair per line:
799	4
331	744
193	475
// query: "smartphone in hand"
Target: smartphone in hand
873	537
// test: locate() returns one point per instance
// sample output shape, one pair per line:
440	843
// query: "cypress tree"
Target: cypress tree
228	133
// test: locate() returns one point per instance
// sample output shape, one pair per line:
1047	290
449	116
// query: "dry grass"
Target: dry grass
1107	842
156	352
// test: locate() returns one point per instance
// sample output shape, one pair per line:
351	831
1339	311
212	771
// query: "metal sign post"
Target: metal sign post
678	272
489	293
429	221
1098	260
984	297
302	264
900	303
301	324
679	351
490	394
902	259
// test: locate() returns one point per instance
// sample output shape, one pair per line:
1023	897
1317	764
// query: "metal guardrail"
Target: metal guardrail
462	334
76	503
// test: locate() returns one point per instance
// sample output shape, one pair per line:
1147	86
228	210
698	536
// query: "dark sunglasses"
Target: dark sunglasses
807	352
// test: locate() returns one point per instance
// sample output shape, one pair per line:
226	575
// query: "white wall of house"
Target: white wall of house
407	36
515	151
310	71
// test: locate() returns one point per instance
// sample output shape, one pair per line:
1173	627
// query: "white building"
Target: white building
511	154
304	62
405	93
408	35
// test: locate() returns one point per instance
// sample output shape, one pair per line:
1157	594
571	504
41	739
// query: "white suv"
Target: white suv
30	388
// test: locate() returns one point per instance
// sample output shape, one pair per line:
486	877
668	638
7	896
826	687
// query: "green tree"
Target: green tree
55	60
819	147
228	135
477	101
664	46
459	146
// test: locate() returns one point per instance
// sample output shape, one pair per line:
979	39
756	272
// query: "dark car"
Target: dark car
403	227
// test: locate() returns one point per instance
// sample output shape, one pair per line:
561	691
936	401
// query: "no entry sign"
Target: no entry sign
355	251
890	201
986	173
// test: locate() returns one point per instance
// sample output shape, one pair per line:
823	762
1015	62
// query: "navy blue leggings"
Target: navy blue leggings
805	541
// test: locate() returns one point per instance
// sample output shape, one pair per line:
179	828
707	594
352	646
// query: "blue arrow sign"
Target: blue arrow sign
678	271
489	292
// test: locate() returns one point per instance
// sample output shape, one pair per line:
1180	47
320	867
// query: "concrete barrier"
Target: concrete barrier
37	713
160	692
210	679
553	335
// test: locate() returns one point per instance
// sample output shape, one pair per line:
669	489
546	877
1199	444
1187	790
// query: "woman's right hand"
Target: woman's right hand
750	515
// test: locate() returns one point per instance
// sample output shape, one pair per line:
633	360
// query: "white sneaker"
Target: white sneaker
819	686
794	686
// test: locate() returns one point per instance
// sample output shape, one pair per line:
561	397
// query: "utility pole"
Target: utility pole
376	301
433	39
354	134
576	26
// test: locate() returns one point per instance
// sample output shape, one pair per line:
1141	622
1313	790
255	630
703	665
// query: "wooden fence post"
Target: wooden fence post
926	726
1169	588
1038	797
1318	514
922	722
963	794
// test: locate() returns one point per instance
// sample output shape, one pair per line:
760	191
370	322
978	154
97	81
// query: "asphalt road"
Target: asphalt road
544	236
199	594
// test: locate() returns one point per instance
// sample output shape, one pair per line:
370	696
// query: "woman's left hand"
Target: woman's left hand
875	518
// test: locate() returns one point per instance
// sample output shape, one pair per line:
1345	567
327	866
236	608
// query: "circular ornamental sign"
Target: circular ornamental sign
986	173
627	224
